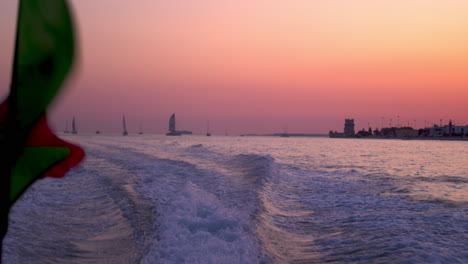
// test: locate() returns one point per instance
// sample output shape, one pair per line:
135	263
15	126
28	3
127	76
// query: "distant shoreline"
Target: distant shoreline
289	135
316	135
371	137
410	138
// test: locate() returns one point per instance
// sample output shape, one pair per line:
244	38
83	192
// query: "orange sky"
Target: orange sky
257	66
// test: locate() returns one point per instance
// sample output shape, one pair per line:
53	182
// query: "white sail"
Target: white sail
172	123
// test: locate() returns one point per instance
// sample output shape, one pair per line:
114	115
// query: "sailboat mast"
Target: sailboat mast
73	126
208	128
124	126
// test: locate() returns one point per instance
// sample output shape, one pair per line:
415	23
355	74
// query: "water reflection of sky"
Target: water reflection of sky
428	168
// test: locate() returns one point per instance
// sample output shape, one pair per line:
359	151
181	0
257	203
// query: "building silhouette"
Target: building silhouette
349	128
449	131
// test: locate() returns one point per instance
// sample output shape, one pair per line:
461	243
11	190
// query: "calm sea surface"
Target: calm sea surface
194	199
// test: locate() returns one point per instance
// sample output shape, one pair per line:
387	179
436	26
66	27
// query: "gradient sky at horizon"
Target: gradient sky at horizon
257	66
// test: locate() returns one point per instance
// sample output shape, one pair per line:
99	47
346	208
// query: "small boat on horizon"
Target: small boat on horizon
172	127
285	134
124	133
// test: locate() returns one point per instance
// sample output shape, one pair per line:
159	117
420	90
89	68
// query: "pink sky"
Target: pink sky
253	66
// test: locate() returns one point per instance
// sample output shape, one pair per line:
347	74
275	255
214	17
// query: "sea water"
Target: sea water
227	199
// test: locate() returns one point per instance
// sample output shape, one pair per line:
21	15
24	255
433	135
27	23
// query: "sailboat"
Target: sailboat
208	134
172	127
285	134
66	127
74	127
141	130
124	133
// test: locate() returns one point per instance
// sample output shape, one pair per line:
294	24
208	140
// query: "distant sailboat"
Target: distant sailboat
208	134
141	130
124	133
172	127
66	127
285	134
74	127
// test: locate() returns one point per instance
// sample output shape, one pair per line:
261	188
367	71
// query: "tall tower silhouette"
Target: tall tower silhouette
349	128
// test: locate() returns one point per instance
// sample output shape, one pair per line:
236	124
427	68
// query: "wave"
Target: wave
257	168
444	179
89	216
202	214
196	146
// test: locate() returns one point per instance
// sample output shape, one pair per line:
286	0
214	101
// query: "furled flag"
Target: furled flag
44	52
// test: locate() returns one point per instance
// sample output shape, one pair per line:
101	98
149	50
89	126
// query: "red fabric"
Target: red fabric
3	112
42	136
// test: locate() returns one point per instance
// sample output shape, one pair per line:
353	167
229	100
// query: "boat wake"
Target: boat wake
140	200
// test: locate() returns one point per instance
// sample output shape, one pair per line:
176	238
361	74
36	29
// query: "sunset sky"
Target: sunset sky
258	66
